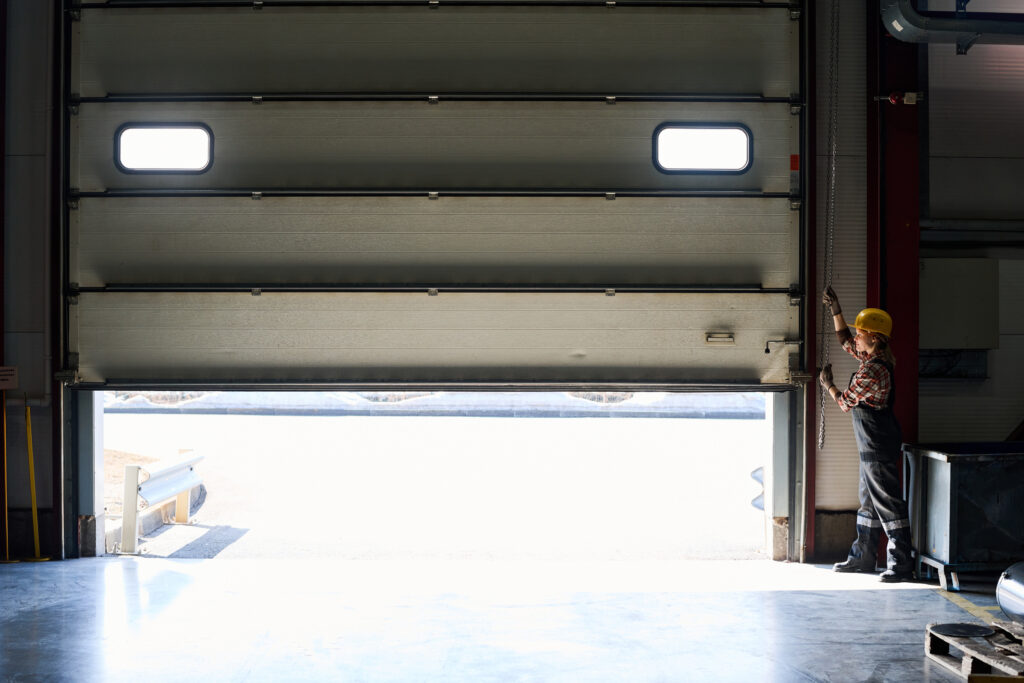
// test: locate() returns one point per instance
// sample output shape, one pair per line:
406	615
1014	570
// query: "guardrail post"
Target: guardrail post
130	510
181	505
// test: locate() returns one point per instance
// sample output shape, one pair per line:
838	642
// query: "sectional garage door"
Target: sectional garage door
438	193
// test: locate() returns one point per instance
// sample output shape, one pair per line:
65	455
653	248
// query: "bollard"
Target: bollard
130	511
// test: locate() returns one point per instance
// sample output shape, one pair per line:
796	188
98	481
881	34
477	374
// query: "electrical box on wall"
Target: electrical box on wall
959	304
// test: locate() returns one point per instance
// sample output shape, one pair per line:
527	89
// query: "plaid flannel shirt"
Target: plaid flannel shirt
870	384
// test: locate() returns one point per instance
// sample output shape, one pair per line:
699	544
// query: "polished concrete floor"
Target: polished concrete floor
159	619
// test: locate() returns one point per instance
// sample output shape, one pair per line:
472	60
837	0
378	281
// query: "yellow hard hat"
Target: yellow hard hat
874	320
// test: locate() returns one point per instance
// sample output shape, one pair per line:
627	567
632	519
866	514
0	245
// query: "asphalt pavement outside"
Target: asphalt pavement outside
388	487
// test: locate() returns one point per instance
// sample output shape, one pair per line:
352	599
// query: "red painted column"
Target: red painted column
894	210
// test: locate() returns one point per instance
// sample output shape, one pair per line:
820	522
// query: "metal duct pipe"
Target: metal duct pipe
1010	593
904	22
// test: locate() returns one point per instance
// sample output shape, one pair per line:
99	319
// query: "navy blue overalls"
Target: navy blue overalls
879	442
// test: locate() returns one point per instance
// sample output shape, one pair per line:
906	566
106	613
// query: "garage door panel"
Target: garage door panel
454	49
449	146
401	240
479	337
323	114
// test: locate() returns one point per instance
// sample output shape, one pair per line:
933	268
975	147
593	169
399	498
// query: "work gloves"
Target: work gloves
831	299
825	376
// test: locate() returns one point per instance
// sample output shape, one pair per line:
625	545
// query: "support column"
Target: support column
894	168
90	513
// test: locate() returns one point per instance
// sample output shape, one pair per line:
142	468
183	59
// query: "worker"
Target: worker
869	399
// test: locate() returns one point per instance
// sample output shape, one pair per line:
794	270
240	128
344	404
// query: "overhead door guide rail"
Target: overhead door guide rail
434	290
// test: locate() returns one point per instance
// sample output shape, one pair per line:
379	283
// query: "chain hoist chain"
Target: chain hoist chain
830	204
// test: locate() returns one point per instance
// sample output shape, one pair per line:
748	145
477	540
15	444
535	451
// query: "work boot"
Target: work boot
893	576
852	564
899	560
862	552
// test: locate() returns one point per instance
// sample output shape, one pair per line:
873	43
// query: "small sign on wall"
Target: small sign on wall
8	377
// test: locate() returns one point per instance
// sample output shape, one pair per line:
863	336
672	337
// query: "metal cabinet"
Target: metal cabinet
966	506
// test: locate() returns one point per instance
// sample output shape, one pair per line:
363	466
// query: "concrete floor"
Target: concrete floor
156	619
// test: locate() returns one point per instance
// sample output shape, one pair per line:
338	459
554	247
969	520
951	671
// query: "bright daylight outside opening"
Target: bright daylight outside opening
450	475
695	148
170	148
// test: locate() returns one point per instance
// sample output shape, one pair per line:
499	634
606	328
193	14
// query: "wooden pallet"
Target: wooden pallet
1000	653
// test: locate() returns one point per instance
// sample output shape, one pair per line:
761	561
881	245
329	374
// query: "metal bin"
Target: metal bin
966	506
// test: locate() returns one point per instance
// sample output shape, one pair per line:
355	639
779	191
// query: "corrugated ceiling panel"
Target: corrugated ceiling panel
976	142
397	240
591	49
452	145
371	337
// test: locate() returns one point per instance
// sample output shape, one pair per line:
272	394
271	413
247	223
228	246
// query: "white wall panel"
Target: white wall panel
26	126
447	50
451	145
380	337
397	240
837	463
983	410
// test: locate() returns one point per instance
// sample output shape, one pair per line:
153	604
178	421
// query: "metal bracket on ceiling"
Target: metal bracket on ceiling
257	195
610	4
70	375
610	99
795	205
257	99
794	15
257	4
73	204
433	4
609	292
431	292
433	99
75	14
433	195
966	42
256	291
609	195
798	377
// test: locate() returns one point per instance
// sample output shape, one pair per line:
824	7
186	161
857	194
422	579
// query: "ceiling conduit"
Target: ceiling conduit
964	29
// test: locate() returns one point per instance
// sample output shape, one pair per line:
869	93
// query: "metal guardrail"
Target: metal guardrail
169	478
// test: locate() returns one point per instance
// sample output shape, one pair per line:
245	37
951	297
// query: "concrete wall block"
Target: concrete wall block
18	494
27	245
29	352
29	45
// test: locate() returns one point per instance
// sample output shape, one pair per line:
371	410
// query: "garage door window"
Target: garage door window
702	148
163	148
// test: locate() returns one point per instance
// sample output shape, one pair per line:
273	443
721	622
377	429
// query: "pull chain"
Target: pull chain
830	204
